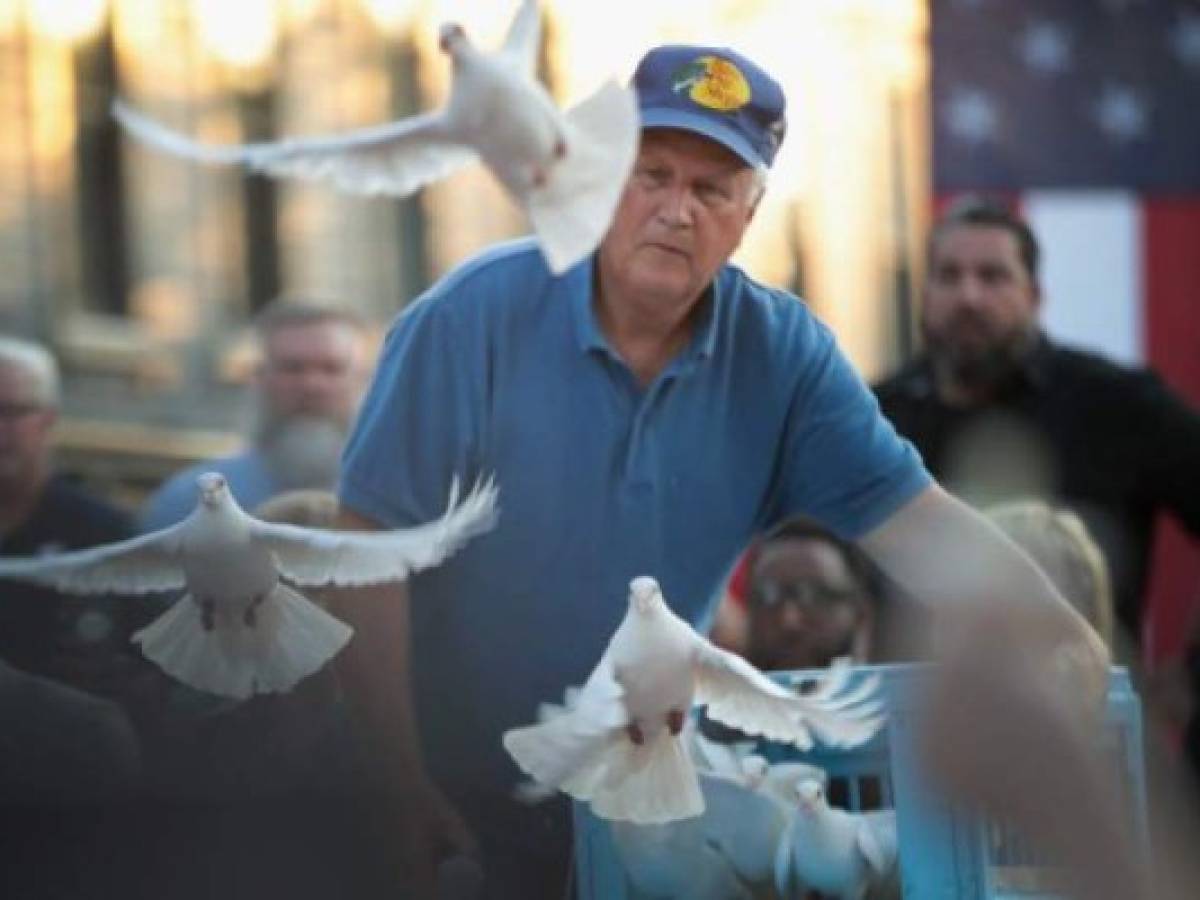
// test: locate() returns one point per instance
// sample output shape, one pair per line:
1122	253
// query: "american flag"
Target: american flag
1086	115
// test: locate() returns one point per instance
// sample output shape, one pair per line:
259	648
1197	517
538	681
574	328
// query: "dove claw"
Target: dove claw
635	733
675	721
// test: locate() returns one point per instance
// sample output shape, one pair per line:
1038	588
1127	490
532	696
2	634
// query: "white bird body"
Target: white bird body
239	629
833	851
566	170
619	747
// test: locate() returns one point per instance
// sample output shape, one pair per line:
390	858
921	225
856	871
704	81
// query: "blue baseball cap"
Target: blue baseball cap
715	92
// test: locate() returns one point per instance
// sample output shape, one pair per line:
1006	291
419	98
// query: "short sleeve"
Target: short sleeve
418	425
844	464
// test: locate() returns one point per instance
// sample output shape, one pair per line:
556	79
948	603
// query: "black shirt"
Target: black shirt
65	637
1112	443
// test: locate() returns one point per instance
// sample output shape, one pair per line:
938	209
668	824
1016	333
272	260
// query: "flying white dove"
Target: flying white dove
619	747
239	630
846	855
566	171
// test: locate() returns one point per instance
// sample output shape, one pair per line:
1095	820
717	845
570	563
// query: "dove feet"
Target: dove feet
635	733
675	721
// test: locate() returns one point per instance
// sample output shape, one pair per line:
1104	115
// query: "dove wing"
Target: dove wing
524	38
319	556
573	209
741	696
393	159
140	565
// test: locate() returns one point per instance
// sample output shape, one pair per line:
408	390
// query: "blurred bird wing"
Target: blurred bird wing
563	751
573	208
524	39
140	565
395	159
741	696
876	840
318	556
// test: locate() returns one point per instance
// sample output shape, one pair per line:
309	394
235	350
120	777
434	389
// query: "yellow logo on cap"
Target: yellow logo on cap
713	82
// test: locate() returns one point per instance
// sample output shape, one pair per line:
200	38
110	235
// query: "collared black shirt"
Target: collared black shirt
1114	444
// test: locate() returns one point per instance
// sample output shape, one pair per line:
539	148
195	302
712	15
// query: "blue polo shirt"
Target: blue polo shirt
501	369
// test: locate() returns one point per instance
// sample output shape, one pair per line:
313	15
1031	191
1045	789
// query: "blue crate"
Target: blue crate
944	853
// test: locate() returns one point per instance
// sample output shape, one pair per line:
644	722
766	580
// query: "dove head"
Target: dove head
451	37
644	594
213	489
811	794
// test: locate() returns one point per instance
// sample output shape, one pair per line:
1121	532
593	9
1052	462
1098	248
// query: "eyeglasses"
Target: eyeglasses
809	596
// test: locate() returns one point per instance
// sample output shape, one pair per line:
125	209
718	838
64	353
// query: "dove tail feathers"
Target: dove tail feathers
290	639
648	784
573	209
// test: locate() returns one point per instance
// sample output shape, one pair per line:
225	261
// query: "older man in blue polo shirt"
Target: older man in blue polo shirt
647	412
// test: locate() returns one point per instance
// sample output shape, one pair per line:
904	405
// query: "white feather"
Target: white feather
565	171
652	671
238	630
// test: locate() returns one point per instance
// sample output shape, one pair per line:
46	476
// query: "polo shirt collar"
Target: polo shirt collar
579	286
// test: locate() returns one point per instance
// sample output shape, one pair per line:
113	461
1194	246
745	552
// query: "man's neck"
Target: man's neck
646	333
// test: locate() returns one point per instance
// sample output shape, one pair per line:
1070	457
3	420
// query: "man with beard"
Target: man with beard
314	366
999	411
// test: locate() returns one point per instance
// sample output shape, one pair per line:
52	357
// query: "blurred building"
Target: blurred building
142	270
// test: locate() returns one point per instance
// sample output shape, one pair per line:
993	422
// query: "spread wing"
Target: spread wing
395	159
524	38
139	565
318	556
740	695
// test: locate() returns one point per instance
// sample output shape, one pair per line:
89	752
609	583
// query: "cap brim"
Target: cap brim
666	117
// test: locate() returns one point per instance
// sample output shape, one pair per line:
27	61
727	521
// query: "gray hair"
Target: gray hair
760	182
38	363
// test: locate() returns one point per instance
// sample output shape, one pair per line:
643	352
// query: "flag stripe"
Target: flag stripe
1171	238
1091	268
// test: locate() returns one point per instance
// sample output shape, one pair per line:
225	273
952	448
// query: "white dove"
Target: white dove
239	630
566	171
619	747
843	854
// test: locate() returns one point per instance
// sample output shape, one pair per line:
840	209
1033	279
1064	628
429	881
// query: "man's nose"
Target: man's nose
676	209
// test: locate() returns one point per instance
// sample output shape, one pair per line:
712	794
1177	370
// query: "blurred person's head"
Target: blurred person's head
811	598
1061	544
311	378
979	317
29	400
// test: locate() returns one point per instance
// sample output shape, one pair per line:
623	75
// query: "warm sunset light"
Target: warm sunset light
66	20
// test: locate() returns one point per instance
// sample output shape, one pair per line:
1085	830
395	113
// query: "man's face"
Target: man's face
805	605
980	302
25	426
681	216
314	370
